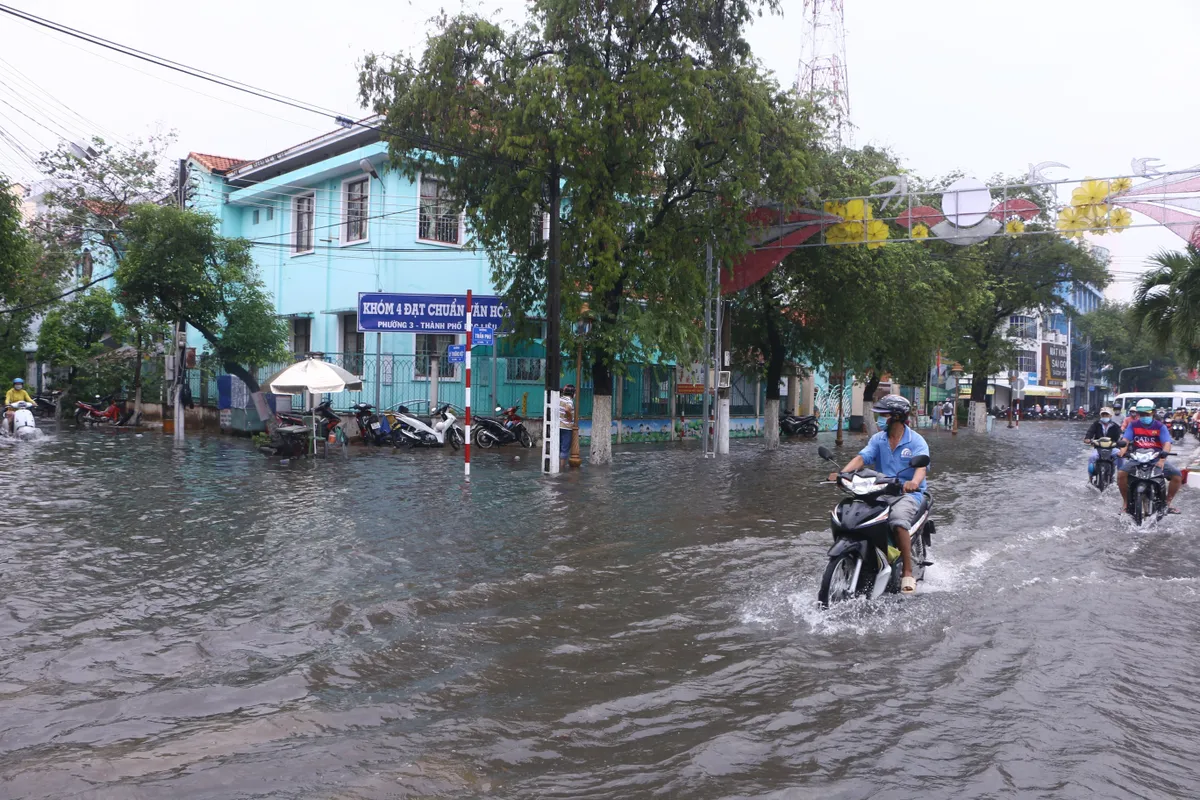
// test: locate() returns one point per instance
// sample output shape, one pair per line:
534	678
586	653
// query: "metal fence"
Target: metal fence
495	380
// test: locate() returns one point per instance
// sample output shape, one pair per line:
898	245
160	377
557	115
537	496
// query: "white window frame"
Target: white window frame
345	222
462	218
458	339
312	245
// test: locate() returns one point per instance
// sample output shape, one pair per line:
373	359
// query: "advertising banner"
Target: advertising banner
1054	364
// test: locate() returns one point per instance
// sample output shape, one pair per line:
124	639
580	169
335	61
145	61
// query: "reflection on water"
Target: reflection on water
197	622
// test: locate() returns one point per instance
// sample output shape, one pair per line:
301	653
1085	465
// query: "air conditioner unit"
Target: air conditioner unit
723	379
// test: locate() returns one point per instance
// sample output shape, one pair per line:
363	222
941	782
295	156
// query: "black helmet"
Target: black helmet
892	404
569	390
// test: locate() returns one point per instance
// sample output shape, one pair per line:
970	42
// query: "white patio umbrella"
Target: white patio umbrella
312	376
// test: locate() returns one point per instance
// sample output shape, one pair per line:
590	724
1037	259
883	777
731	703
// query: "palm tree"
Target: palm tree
1167	302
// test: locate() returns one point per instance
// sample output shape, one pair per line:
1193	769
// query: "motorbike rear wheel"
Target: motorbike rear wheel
80	416
835	583
526	439
485	439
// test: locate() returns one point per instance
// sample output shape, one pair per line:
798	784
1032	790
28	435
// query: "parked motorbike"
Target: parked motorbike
794	425
1105	466
46	405
1147	486
101	410
504	428
373	428
864	558
22	425
411	431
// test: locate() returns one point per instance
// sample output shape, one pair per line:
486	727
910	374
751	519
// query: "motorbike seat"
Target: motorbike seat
293	429
402	410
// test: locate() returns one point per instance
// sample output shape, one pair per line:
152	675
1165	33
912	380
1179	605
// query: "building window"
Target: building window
352	344
270	213
302	223
255	216
1021	327
439	220
301	336
355	203
429	345
1027	361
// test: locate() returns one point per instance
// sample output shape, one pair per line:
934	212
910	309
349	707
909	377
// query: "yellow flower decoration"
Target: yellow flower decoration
835	208
1120	185
877	233
919	231
1014	227
1095	217
845	233
1120	219
1071	222
1090	193
858	210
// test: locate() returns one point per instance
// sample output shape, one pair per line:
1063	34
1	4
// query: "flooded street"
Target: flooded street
200	623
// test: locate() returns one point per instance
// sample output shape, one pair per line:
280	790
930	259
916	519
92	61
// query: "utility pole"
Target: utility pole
180	326
550	421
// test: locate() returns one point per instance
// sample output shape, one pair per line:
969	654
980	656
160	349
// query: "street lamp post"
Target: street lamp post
1121	374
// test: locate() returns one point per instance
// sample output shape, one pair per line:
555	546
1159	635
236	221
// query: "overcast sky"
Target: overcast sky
946	84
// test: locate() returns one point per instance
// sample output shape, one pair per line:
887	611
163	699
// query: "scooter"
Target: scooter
504	428
414	432
97	412
46	405
22	423
793	425
373	428
1105	466
1178	429
1147	486
864	559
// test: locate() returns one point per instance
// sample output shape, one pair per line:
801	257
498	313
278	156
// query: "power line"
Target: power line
266	94
41	303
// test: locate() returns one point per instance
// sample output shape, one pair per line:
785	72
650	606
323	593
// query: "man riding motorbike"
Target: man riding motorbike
16	394
1148	432
1103	428
889	451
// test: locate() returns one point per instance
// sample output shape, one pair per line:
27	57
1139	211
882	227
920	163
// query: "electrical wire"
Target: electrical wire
40	303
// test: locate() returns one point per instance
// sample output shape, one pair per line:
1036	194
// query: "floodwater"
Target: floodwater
200	623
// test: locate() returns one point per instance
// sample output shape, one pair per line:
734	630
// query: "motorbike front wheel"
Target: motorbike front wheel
1103	475
526	439
455	438
809	430
1141	504
836	582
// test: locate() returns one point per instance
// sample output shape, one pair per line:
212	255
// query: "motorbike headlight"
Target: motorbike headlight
864	486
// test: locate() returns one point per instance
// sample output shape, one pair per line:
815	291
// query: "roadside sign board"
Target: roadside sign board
482	337
689	388
456	353
383	312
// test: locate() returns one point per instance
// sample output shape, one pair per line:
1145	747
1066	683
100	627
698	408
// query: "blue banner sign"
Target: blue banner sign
483	337
380	312
456	353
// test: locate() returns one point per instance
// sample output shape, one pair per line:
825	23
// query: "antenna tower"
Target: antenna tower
822	76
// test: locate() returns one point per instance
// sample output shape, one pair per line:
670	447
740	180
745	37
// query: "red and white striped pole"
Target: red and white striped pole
467	400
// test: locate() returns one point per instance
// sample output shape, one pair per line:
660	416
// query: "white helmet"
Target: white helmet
1145	404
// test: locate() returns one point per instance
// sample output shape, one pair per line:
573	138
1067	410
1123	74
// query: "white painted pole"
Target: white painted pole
467	396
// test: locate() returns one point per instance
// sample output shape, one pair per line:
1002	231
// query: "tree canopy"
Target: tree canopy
177	267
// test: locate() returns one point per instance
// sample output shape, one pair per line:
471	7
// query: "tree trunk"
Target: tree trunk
772	429
869	425
247	377
136	418
979	410
600	450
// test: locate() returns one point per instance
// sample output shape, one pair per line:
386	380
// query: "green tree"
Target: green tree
1166	303
1117	343
640	129
1010	275
76	334
95	187
20	283
177	267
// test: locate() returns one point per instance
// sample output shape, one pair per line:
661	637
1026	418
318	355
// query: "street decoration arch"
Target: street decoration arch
968	211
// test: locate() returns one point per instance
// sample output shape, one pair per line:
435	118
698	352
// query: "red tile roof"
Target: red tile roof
218	164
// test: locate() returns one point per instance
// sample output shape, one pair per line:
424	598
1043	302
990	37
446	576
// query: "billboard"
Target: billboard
1054	364
382	312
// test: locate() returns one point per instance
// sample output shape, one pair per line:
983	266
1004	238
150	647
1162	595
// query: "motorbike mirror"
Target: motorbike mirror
824	453
499	410
919	461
